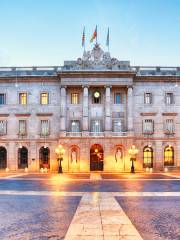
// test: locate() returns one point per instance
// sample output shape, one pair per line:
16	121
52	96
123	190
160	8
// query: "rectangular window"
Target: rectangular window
3	124
44	127
75	126
118	98
148	126
23	98
2	98
169	98
74	98
96	126
148	98
22	127
44	98
169	126
117	125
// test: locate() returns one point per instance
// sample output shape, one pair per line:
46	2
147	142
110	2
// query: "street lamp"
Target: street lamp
132	152
60	152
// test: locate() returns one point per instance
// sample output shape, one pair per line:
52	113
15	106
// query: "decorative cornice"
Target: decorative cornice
4	115
97	74
169	114
23	114
148	114
161	78
44	114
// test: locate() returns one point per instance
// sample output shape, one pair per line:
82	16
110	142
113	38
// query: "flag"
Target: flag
107	40
94	36
83	38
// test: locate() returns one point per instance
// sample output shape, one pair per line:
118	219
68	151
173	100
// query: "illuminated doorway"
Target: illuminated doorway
96	158
44	157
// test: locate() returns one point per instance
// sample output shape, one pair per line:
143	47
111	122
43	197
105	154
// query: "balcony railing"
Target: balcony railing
99	134
96	134
73	134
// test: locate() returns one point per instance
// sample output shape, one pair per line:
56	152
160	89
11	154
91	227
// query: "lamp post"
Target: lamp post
60	152
132	152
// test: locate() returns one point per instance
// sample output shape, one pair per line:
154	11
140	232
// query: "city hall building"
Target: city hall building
96	108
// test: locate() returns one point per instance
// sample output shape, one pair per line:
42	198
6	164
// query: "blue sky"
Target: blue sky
47	32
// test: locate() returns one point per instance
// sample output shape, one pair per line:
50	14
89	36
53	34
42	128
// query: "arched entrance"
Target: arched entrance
22	157
148	157
3	158
44	157
96	158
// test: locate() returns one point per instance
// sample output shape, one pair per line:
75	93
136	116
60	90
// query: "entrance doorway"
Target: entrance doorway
96	158
3	158
44	157
22	157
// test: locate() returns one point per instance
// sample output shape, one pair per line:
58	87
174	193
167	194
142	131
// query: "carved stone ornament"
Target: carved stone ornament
96	59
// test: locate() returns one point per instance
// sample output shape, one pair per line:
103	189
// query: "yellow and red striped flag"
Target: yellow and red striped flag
94	36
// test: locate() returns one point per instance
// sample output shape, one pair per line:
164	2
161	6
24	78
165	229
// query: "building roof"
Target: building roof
94	61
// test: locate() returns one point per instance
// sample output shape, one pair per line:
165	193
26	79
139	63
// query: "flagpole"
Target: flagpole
84	40
96	34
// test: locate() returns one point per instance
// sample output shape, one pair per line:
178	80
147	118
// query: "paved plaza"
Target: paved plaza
90	206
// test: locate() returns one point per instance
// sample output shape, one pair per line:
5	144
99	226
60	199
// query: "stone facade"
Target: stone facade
95	72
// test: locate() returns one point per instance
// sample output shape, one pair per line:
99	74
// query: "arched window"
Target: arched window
22	157
169	156
148	157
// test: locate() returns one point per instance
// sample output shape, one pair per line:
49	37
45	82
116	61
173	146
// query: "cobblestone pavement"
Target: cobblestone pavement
90	207
155	218
35	217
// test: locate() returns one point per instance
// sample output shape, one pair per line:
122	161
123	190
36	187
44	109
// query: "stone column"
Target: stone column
85	111
63	110
108	121
130	108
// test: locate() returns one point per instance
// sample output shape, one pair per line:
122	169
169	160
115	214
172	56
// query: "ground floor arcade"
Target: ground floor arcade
89	154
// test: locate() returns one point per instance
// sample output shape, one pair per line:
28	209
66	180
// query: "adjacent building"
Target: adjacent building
96	107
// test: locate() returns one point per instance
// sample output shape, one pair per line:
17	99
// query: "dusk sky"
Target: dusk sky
47	32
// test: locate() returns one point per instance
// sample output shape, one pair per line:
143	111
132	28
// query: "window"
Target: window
3	124
169	126
74	98
2	98
169	156
75	126
96	126
44	127
23	98
117	125
22	127
148	98
169	98
118	98
148	126
148	157
96	97
44	98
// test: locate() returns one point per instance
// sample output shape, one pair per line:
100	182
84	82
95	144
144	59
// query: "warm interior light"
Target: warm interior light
96	150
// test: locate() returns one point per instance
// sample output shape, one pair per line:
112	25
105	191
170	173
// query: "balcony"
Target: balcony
99	134
73	134
96	134
122	134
